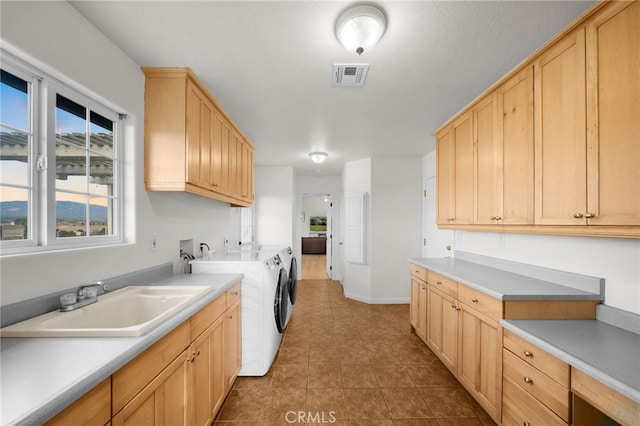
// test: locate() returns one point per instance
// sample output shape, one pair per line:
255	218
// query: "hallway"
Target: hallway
347	362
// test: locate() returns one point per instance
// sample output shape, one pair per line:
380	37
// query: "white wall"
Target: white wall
393	227
54	37
275	205
616	260
396	207
356	177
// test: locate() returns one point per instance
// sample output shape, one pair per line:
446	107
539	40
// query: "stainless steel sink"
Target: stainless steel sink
128	312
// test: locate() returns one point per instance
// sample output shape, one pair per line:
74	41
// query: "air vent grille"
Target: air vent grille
349	75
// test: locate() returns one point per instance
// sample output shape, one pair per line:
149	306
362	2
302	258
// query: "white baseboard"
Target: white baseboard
378	300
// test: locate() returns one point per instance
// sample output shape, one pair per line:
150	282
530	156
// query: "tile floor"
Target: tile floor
345	362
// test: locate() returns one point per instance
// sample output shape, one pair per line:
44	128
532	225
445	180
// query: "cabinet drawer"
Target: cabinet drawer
207	315
548	391
233	295
520	408
543	361
418	272
443	284
481	302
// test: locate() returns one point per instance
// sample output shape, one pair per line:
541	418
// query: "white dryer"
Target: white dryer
263	304
290	263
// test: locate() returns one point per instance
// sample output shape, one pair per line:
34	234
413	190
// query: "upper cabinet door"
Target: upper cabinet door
560	139
613	95
488	177
199	137
462	135
444	164
515	149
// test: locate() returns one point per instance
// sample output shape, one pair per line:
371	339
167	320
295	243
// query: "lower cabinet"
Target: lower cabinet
418	307
164	401
94	408
182	379
466	337
233	344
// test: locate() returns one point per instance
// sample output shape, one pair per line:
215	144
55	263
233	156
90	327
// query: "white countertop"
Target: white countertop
501	284
42	376
609	354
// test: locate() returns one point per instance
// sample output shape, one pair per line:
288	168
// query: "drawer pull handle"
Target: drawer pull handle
474	300
528	354
528	381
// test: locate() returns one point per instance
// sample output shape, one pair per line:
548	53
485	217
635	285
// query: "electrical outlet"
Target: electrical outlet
154	243
226	241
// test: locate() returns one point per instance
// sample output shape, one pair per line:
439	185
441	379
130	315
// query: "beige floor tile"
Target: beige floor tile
366	404
327	404
358	376
280	402
393	376
361	361
447	402
405	403
289	376
435	374
246	405
324	355
325	376
416	422
293	356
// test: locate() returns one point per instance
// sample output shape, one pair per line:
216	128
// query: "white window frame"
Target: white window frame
42	220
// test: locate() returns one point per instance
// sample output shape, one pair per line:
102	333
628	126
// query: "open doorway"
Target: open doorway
316	236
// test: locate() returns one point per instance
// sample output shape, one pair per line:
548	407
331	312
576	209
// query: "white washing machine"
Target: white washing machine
264	302
290	264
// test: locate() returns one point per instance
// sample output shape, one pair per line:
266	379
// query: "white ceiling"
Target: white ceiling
269	65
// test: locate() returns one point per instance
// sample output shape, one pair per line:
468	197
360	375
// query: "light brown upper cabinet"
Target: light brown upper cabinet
503	133
556	142
613	115
455	160
514	151
191	144
561	133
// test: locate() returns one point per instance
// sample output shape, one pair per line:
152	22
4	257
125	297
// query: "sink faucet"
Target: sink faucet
72	301
101	284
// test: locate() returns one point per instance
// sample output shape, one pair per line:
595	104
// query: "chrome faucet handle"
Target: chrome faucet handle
83	293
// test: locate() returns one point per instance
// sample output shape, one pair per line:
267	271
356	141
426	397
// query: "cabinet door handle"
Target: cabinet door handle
528	381
439	282
493	218
577	215
453	306
589	215
474	300
192	358
498	218
526	423
528	354
235	293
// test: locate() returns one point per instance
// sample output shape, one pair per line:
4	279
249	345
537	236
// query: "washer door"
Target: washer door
293	280
281	303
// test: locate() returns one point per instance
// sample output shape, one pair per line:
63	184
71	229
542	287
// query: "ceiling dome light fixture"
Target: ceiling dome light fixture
318	157
359	28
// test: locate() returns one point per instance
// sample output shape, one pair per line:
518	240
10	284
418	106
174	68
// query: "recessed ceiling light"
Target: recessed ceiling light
318	157
359	28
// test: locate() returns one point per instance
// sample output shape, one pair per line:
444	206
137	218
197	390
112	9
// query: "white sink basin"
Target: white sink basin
128	312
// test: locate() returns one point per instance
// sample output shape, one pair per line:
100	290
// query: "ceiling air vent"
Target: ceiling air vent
349	75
